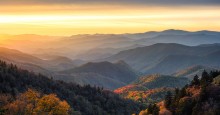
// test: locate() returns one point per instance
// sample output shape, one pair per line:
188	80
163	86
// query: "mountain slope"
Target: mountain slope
201	97
151	88
93	79
190	72
99	53
106	74
174	63
153	58
23	60
28	61
157	81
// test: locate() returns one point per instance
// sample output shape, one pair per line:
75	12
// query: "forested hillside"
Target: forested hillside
103	74
201	97
151	88
85	100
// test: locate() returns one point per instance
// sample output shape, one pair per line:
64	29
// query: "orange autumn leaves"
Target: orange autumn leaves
124	89
140	93
33	103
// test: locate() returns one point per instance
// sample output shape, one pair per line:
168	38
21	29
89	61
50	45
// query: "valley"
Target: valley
115	68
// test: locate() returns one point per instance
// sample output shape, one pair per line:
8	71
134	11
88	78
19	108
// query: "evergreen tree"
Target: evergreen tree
155	110
196	109
202	100
214	74
185	107
168	100
204	79
150	109
195	80
177	91
2	111
203	94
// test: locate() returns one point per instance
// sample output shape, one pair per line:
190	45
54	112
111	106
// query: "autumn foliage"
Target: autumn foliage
33	103
85	100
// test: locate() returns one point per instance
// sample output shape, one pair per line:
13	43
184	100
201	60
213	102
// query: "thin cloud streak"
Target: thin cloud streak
122	2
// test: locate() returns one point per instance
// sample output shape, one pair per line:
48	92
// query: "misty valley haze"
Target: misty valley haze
109	57
140	67
113	60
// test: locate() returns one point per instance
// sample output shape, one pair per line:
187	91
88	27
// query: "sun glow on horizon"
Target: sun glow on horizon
75	20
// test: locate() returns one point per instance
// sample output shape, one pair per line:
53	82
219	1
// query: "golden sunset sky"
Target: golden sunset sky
69	17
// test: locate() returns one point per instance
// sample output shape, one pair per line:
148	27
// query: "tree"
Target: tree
168	100
205	79
155	110
182	93
150	109
31	102
144	112
214	74
185	107
195	80
196	101
203	94
196	109
4	100
24	103
50	104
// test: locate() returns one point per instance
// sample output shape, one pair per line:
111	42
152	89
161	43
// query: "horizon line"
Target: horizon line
6	34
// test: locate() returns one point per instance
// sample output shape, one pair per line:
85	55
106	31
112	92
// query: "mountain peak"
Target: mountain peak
174	31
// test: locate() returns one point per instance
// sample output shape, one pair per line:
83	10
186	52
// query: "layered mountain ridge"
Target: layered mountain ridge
106	74
158	58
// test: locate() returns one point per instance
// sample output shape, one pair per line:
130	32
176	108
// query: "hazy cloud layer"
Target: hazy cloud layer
141	2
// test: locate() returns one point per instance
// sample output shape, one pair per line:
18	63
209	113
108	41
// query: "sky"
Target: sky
70	17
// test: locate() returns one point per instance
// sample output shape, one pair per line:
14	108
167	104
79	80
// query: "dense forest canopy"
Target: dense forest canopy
200	97
85	100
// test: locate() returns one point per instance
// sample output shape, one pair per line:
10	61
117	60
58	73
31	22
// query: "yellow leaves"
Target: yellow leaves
61	108
52	105
124	89
30	96
17	107
32	103
47	102
144	112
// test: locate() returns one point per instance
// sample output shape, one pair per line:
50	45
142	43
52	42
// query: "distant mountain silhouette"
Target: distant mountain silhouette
167	58
33	63
186	39
96	46
151	34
